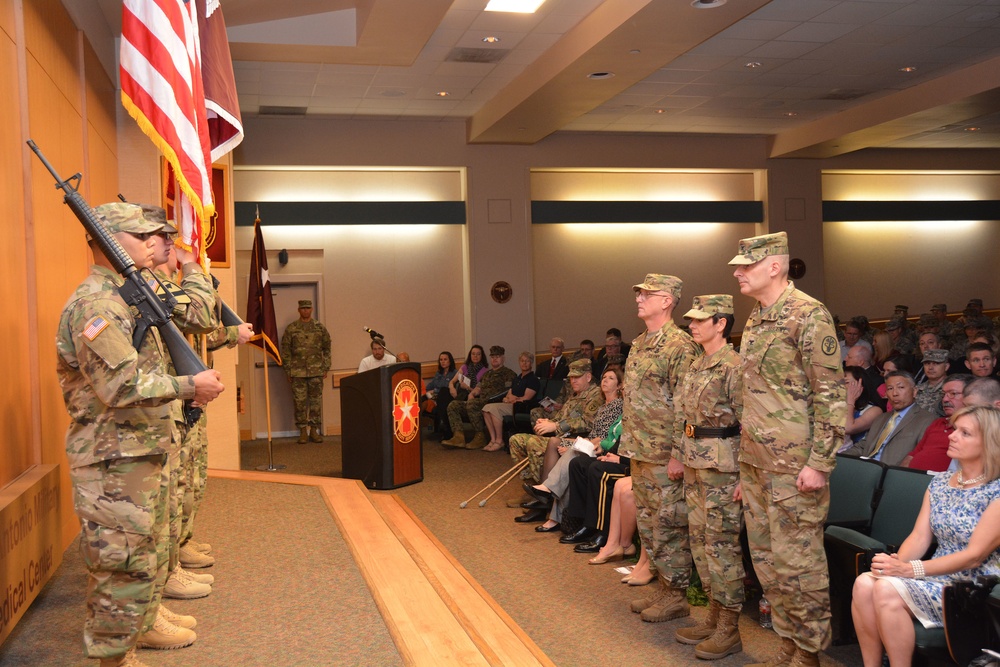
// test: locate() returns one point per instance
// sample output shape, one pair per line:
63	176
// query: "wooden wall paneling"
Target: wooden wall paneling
15	396
51	37
7	19
102	99
102	172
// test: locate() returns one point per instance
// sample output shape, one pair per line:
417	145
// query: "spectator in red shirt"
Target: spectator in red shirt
931	453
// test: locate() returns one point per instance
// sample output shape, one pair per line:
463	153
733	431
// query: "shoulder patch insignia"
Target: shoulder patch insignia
94	327
829	345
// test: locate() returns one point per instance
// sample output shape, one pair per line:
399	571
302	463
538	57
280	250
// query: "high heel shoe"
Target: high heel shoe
632	581
613	556
628	551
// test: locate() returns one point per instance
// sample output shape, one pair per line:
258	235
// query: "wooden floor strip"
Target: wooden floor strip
436	612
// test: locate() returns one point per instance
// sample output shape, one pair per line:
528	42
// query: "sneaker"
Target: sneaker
180	586
127	660
180	620
200	578
195	559
165	636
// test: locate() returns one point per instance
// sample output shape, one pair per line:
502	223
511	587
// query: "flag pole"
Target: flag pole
270	467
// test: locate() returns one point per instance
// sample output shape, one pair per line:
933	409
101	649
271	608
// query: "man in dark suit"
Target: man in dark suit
894	435
557	367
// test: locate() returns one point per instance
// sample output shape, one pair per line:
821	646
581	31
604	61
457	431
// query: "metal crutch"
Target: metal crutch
506	477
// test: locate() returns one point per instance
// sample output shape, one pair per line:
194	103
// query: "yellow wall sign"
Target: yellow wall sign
29	541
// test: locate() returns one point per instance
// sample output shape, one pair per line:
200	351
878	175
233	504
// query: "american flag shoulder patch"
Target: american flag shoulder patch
94	327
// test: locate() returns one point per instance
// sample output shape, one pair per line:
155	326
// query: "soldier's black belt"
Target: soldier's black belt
692	431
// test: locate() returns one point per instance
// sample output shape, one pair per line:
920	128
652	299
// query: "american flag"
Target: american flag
162	89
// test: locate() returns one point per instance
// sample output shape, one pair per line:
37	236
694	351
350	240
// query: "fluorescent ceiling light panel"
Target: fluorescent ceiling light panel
518	6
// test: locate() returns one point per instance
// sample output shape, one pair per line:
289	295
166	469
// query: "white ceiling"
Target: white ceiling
826	77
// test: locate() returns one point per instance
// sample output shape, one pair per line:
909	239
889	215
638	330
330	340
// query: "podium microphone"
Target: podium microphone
374	334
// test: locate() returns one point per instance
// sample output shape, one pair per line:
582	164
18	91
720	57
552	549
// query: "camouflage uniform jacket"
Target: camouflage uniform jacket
929	397
495	381
118	398
305	349
578	412
654	369
794	396
711	395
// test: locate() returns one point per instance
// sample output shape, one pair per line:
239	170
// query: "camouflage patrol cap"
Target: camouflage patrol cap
305	303
936	356
157	214
580	367
928	321
974	303
659	282
978	322
939	307
122	217
497	351
902	309
894	323
704	307
756	248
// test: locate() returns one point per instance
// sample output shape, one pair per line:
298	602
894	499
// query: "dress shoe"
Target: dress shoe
536	505
601	560
543	529
579	537
593	546
539	494
531	516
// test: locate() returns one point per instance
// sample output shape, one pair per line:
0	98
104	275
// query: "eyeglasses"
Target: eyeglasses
642	296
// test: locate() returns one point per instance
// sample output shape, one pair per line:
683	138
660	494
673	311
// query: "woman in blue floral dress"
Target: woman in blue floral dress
961	511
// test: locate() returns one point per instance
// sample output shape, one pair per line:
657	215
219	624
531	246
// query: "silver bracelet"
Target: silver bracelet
918	569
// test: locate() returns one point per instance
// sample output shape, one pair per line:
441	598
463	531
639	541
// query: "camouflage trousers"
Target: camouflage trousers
471	409
533	447
307	394
177	465
661	515
122	505
785	531
714	521
195	476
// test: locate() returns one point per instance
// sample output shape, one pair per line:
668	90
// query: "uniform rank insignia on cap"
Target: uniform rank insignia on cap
94	327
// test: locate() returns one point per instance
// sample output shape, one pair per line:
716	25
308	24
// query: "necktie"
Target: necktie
887	430
552	369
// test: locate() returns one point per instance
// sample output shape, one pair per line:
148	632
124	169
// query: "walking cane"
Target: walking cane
506	477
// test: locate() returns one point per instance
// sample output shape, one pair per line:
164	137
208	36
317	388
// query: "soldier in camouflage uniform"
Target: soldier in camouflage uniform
709	404
654	368
117	445
904	340
931	393
496	380
305	353
794	411
575	417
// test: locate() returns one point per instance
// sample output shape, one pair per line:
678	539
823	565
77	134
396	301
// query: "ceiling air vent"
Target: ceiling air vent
466	55
282	111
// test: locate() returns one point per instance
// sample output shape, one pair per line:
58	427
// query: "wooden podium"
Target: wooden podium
380	426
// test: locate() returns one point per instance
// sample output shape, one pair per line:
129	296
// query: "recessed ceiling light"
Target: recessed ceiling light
600	75
660	110
634	52
753	64
515	6
491	39
907	69
442	93
707	4
791	114
972	129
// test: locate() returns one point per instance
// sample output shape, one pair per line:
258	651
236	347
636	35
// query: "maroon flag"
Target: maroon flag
260	306
225	126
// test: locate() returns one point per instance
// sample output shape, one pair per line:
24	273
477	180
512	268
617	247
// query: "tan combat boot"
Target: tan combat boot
639	605
478	442
200	546
725	640
165	635
303	436
180	620
804	658
315	436
783	657
180	586
127	660
457	440
194	559
198	577
698	633
672	605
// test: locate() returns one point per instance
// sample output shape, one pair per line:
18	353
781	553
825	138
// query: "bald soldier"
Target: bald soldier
117	444
794	411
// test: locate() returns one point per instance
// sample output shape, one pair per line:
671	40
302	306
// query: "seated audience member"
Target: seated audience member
437	391
603	436
523	390
946	329
494	383
863	410
982	391
624	348
592	487
861	322
611	354
861	355
576	417
961	512
929	393
882	344
852	334
465	380
557	367
377	358
903	341
931	453
894	435
621	531
989	339
980	360
585	351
